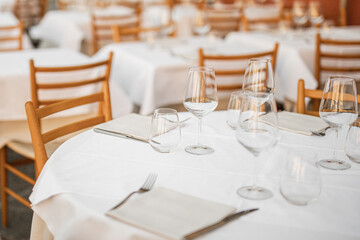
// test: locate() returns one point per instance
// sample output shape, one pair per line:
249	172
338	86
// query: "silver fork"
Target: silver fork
321	132
147	186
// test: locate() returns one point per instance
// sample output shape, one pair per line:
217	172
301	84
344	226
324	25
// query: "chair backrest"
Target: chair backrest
30	12
101	27
121	34
253	22
340	57
314	94
204	60
223	19
11	37
35	113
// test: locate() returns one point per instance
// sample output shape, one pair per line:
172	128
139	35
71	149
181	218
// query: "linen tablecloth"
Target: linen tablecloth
15	80
296	55
154	74
91	172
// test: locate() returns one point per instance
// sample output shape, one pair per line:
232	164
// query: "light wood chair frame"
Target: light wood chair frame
303	93
247	22
319	55
118	32
104	114
203	58
17	38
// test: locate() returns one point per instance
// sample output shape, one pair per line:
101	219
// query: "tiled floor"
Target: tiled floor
19	215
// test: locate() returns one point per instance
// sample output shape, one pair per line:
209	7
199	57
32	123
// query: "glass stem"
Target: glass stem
199	131
336	140
254	175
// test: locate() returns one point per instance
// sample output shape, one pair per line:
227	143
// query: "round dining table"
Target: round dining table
92	172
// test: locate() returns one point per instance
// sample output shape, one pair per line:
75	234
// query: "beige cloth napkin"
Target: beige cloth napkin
300	123
169	213
132	126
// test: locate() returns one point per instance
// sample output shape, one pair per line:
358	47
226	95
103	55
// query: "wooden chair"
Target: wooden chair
101	27
249	24
30	12
204	58
223	19
25	149
121	34
65	4
309	93
7	37
337	54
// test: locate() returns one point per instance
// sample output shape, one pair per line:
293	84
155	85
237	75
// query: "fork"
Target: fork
147	186
321	132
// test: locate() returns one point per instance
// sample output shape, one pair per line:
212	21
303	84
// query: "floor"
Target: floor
19	215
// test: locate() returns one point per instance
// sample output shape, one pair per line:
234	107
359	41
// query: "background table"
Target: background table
91	172
154	75
296	55
15	80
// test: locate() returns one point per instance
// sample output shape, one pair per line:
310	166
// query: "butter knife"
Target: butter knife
222	222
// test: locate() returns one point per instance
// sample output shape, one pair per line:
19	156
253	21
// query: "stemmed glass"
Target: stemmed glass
200	99
300	16
315	16
338	108
200	25
259	76
257	131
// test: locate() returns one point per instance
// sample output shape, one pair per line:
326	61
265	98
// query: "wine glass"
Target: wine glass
200	25
338	108
300	181
165	133
315	15
234	107
259	76
257	131
300	16
200	99
352	143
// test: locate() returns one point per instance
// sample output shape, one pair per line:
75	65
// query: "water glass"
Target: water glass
300	181
165	133
234	107
352	144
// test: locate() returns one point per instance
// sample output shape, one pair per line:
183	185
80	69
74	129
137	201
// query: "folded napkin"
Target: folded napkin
132	126
300	123
169	213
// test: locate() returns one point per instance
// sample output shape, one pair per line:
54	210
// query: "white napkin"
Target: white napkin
132	126
169	213
300	123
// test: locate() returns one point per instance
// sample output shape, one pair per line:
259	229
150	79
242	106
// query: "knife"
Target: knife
222	222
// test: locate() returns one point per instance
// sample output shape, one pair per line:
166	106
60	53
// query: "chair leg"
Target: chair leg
3	185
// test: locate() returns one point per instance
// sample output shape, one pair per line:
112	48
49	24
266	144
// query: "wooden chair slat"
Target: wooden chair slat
70	128
69	103
69	84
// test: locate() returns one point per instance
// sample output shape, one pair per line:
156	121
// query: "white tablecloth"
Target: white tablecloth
91	172
9	19
156	76
296	55
68	28
15	80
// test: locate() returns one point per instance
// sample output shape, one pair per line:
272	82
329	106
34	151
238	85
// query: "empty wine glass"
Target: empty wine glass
352	144
300	181
165	134
200	99
259	76
338	108
299	13
234	107
315	14
257	131
200	25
